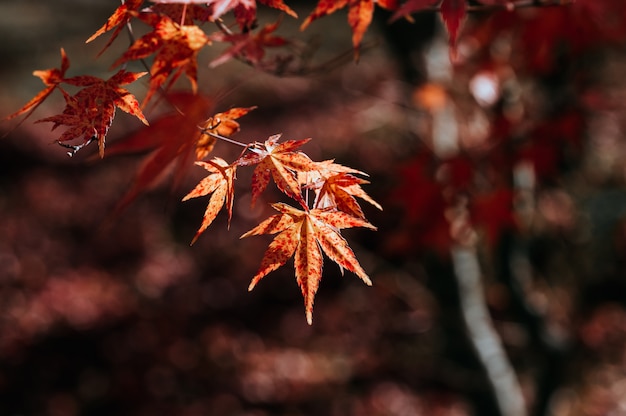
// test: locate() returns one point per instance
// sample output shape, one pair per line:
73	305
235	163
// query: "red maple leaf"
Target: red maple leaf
171	138
452	13
220	183
183	13
247	46
279	161
306	234
90	112
176	48
118	20
360	15
51	78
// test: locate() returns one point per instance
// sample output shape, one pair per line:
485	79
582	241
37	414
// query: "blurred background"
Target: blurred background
516	139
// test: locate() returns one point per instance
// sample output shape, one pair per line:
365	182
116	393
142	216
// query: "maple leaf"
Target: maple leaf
220	183
171	138
118	20
280	5
90	112
360	15
246	46
176	48
452	13
339	191
181	12
279	161
304	235
221	7
51	78
244	10
221	124
336	186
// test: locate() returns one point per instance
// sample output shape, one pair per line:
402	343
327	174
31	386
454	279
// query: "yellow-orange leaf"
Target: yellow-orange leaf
281	162
222	124
304	235
118	20
220	183
51	78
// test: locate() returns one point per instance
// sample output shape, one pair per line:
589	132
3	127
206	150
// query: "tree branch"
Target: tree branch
483	335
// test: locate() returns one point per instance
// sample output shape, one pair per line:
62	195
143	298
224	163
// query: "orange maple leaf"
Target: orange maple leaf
176	48
306	234
279	161
90	112
360	15
51	78
219	182
118	20
336	186
221	124
173	137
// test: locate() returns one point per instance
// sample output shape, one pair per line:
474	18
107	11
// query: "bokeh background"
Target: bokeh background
525	132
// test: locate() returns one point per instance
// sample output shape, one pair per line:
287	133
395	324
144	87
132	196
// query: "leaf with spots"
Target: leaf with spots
305	235
279	161
220	183
176	48
89	113
336	186
221	124
360	13
118	20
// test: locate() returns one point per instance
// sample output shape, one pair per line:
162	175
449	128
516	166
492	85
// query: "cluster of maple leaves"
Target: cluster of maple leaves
303	232
173	44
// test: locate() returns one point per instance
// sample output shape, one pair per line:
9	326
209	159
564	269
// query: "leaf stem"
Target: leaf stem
220	137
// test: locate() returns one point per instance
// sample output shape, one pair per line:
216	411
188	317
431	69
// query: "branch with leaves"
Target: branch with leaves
305	232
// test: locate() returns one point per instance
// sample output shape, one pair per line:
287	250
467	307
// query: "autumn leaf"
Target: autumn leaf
244	10
176	48
279	161
360	13
280	5
118	20
221	124
452	12
183	13
172	138
247	46
220	183
336	186
51	78
90	112
304	235
340	191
